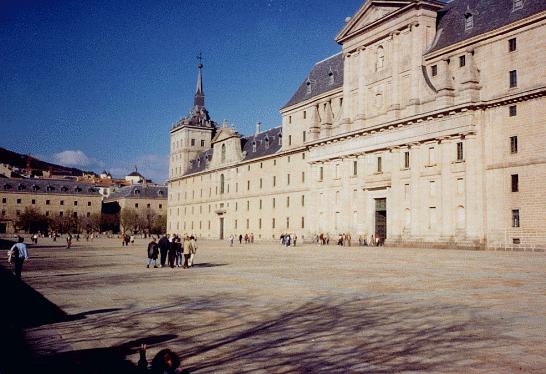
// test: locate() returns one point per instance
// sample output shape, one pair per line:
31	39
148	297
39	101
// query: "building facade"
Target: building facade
147	201
51	198
427	128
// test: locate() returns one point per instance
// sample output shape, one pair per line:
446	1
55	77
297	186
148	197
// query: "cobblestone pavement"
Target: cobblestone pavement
263	308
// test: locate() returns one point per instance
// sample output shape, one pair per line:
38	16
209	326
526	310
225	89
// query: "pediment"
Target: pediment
371	12
225	133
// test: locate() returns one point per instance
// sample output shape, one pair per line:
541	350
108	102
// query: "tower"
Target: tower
192	134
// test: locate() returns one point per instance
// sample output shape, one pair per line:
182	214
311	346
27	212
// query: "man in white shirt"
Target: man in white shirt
18	255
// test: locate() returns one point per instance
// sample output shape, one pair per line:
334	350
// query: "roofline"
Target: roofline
333	91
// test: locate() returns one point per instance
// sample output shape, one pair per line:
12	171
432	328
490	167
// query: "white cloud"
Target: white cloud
76	159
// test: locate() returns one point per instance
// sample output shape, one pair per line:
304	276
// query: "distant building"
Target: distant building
427	128
50	197
145	200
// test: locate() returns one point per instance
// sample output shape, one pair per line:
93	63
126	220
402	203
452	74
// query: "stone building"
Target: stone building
50	197
427	128
146	200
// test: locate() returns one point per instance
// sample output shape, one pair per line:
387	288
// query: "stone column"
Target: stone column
416	56
395	57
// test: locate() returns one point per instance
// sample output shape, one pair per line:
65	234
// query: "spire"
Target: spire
199	100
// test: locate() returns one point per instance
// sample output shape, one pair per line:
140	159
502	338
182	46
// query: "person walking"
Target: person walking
240	238
193	250
171	252
163	248
231	240
68	240
153	251
18	254
187	251
177	251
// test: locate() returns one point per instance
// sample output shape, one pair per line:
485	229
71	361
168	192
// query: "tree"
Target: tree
65	223
92	223
130	220
32	221
159	225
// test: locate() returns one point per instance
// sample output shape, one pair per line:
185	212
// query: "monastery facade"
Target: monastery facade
427	128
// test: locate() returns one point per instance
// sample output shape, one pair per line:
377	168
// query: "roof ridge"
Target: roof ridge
327	58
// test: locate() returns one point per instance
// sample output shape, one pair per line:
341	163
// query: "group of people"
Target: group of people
345	239
288	240
173	251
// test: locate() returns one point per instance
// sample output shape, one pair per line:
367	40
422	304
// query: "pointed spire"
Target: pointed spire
199	100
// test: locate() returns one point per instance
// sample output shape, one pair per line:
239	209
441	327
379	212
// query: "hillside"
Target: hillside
20	161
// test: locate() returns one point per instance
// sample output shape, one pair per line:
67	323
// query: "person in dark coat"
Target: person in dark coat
153	252
164	245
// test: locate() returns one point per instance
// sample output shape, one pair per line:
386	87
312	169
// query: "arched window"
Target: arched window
266	143
221	183
380	62
280	139
223	156
254	146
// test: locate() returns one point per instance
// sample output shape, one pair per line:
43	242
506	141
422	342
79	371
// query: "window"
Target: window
462	61
303	136
460	154
432	188
89	203
160	206
202	143
304	114
259	223
468	22
288	159
273	202
248	205
308	88
302	200
288	201
266	144
223	155
61	202
261	183
273	223
287	222
289	119
321	173
379	165
512	45
517	4
355	167
192	142
289	139
136	205
47	213
431	156
406	191
75	203
254	146
513	144
47	202
331	76
406	160
513	110
18	201
288	179
515	218
274	181
248	185
515	183
33	201
61	213
4	200
434	70
235	224
222	180
260	204
513	78
280	143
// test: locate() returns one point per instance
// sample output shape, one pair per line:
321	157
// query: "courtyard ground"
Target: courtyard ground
263	308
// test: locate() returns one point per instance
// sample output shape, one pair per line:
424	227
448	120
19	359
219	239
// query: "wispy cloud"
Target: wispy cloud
76	158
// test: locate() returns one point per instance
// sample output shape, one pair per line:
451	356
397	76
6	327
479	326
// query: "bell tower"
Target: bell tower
192	134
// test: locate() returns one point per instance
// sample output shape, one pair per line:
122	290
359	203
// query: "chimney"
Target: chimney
258	124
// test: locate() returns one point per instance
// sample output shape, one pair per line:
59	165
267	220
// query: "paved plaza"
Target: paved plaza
263	308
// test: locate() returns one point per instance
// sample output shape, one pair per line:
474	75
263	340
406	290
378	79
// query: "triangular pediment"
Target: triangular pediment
225	133
371	13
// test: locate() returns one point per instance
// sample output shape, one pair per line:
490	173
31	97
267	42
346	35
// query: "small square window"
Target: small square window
47	202
75	203
33	201
513	109
89	203
4	200
202	143
18	201
462	61
512	45
136	205
61	202
434	70
192	142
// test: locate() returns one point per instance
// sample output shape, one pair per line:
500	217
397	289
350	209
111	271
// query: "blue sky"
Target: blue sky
97	84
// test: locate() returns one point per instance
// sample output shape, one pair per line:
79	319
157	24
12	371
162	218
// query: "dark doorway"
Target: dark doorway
3	228
221	228
381	219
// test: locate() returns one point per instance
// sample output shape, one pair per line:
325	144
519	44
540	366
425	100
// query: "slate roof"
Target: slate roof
267	143
319	79
46	186
488	15
138	191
